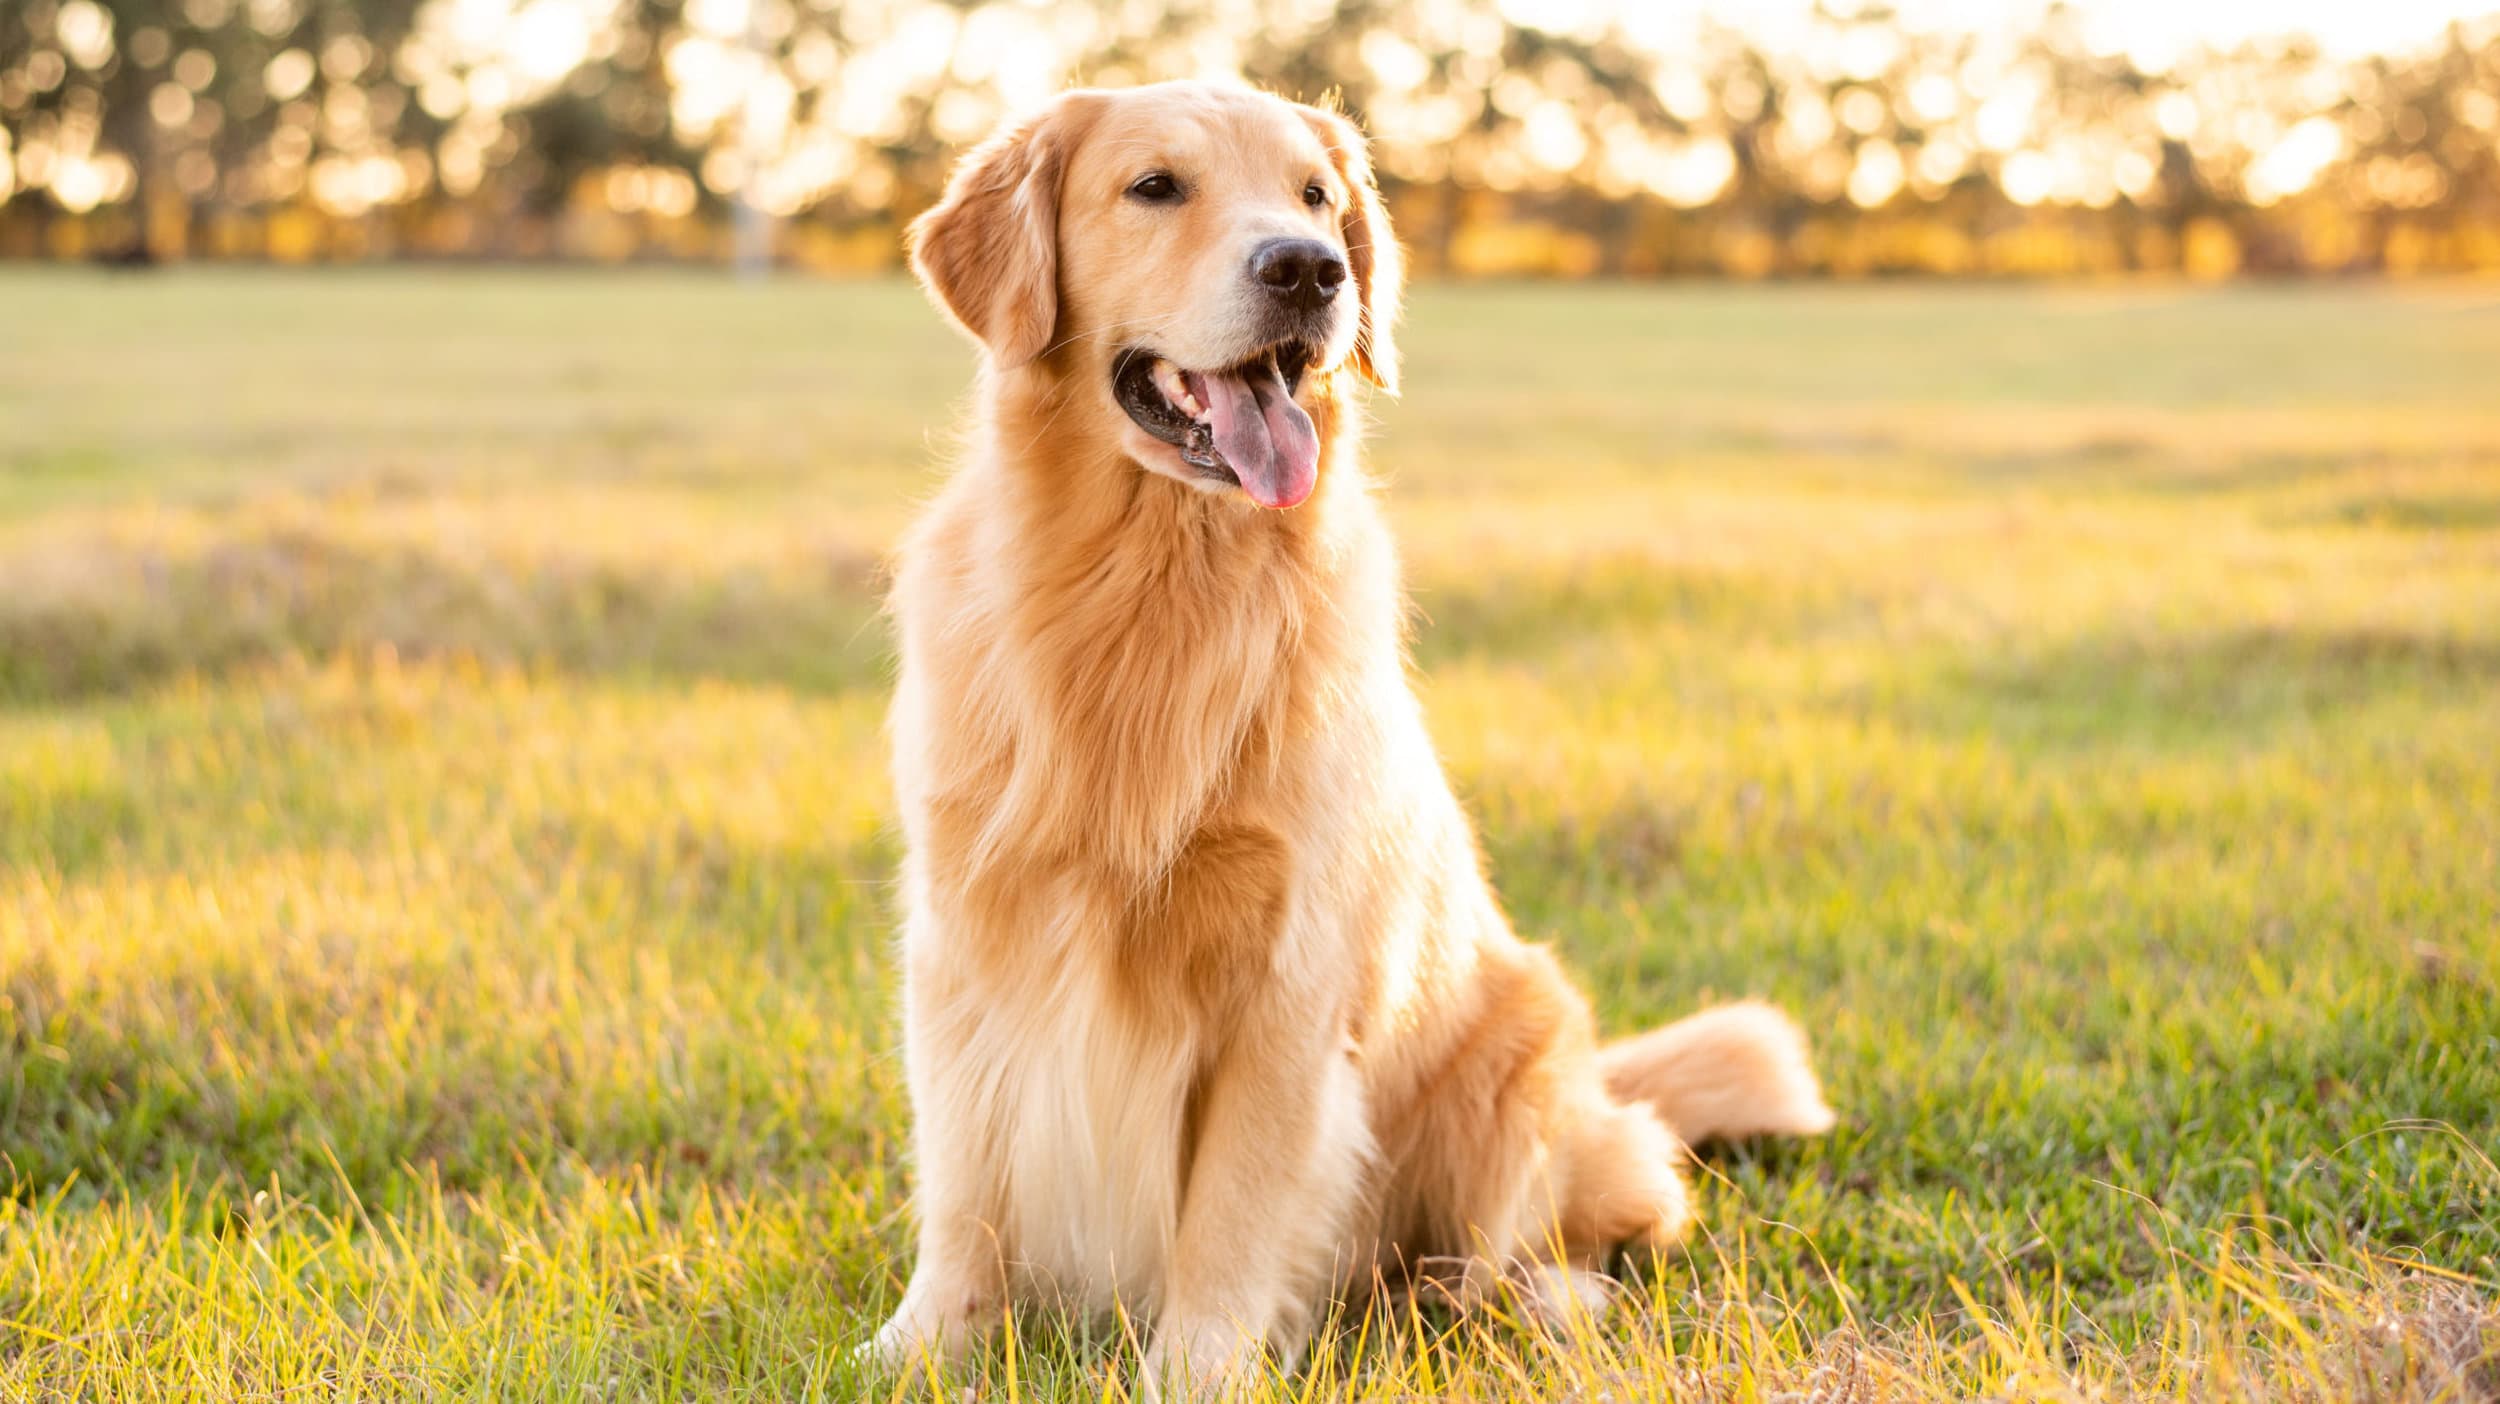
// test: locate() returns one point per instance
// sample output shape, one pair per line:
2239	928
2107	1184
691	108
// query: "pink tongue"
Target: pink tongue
1264	436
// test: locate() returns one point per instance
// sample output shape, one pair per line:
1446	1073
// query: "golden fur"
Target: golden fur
1209	1011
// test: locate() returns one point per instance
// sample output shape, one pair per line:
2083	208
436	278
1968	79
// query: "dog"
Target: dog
1210	1016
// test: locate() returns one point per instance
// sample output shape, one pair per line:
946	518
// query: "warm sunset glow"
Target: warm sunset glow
1766	116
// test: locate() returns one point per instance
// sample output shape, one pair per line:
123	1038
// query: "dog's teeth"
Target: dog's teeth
1175	387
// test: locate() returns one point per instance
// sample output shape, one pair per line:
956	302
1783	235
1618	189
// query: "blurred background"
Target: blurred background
1550	137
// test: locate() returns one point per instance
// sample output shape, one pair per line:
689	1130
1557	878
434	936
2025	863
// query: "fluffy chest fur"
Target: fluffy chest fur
1123	736
1101	680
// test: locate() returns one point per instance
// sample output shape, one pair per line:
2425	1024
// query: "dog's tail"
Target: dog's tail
1734	1071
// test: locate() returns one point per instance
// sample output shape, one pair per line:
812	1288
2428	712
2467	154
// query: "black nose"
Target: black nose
1304	273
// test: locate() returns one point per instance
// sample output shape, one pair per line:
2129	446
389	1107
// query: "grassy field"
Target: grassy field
444	839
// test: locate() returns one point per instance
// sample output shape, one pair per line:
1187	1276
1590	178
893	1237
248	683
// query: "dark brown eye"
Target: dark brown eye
1314	195
1156	189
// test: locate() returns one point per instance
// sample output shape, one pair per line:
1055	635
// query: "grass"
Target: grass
444	838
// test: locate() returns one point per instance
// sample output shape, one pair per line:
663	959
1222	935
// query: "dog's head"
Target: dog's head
1200	261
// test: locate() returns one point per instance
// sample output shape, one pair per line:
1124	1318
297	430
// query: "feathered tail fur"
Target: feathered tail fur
1726	1073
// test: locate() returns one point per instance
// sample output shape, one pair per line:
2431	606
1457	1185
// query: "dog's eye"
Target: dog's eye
1314	195
1157	189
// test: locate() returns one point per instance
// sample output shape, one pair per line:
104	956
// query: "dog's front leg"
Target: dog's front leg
957	1294
1282	1145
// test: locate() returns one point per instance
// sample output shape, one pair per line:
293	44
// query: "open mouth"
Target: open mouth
1238	425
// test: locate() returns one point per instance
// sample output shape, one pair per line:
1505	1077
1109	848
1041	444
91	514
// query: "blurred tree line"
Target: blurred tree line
1598	141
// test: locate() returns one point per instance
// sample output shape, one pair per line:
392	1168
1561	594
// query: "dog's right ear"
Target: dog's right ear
989	251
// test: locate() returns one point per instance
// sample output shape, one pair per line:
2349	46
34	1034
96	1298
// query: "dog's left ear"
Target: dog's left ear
989	251
1370	245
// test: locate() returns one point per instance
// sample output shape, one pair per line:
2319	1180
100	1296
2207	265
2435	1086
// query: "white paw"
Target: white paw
895	1347
1565	1299
1543	1295
1205	1362
915	1340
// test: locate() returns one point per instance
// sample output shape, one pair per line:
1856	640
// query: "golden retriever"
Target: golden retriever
1210	1014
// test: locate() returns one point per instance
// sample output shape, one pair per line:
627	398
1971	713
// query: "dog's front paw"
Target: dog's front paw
1197	1362
897	1347
917	1338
